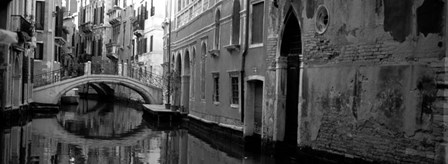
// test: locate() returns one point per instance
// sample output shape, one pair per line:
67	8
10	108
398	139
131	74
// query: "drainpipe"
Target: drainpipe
243	60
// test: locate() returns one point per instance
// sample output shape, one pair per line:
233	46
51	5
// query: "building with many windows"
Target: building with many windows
213	54
50	37
17	42
358	78
148	37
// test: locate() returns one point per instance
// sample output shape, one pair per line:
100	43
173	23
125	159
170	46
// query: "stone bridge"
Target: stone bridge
51	94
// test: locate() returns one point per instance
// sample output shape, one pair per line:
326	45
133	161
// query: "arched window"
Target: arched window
236	22
203	57
217	26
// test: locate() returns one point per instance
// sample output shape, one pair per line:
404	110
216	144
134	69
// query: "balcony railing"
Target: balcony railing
21	25
114	15
60	41
87	27
112	51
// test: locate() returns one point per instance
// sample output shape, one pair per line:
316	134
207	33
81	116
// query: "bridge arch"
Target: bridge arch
52	93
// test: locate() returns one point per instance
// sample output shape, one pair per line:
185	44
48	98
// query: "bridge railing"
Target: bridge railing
150	79
54	76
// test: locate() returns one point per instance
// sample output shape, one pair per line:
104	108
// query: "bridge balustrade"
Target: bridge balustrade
51	77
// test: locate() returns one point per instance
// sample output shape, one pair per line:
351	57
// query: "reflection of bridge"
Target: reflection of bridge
51	93
50	127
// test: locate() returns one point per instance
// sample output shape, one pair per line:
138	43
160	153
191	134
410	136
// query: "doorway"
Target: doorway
253	112
290	52
258	105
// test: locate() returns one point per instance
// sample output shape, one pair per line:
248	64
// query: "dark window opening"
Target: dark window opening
39	55
216	88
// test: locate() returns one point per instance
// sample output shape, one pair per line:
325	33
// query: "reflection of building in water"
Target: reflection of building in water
148	150
43	150
110	121
15	143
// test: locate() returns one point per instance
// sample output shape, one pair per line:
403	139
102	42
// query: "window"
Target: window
39	51
146	10
235	89
94	48
216	87
322	20
102	14
236	22
150	43
40	15
217	26
100	47
153	9
124	33
145	44
95	14
116	32
56	54
257	23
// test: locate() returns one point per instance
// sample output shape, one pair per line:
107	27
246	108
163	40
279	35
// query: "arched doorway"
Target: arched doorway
288	81
186	83
177	81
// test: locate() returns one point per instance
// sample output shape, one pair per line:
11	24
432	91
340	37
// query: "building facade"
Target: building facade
50	38
148	37
357	78
16	53
209	53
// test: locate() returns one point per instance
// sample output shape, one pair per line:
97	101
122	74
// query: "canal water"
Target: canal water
96	132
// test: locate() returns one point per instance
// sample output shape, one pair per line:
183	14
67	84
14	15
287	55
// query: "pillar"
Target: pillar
280	93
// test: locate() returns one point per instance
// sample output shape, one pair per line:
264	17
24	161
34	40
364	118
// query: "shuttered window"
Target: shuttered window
257	23
40	15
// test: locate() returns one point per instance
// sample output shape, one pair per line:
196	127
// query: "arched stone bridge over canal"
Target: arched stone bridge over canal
50	94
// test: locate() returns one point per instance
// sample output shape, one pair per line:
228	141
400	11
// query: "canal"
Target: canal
97	132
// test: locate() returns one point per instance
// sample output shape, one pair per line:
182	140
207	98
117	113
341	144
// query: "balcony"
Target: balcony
138	33
112	51
114	15
60	41
22	26
138	26
87	27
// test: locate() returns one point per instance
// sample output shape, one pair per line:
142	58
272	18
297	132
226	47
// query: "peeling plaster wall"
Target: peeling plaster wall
372	84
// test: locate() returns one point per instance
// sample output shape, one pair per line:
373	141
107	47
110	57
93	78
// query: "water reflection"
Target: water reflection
97	133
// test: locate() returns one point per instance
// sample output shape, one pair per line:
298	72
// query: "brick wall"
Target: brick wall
368	90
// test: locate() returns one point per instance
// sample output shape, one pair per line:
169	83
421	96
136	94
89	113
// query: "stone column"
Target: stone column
185	98
280	94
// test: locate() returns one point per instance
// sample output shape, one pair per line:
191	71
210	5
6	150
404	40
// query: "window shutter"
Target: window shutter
94	16
100	47
152	8
145	45
146	10
150	43
153	11
102	15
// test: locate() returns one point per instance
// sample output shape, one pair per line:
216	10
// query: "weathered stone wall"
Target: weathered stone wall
373	84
